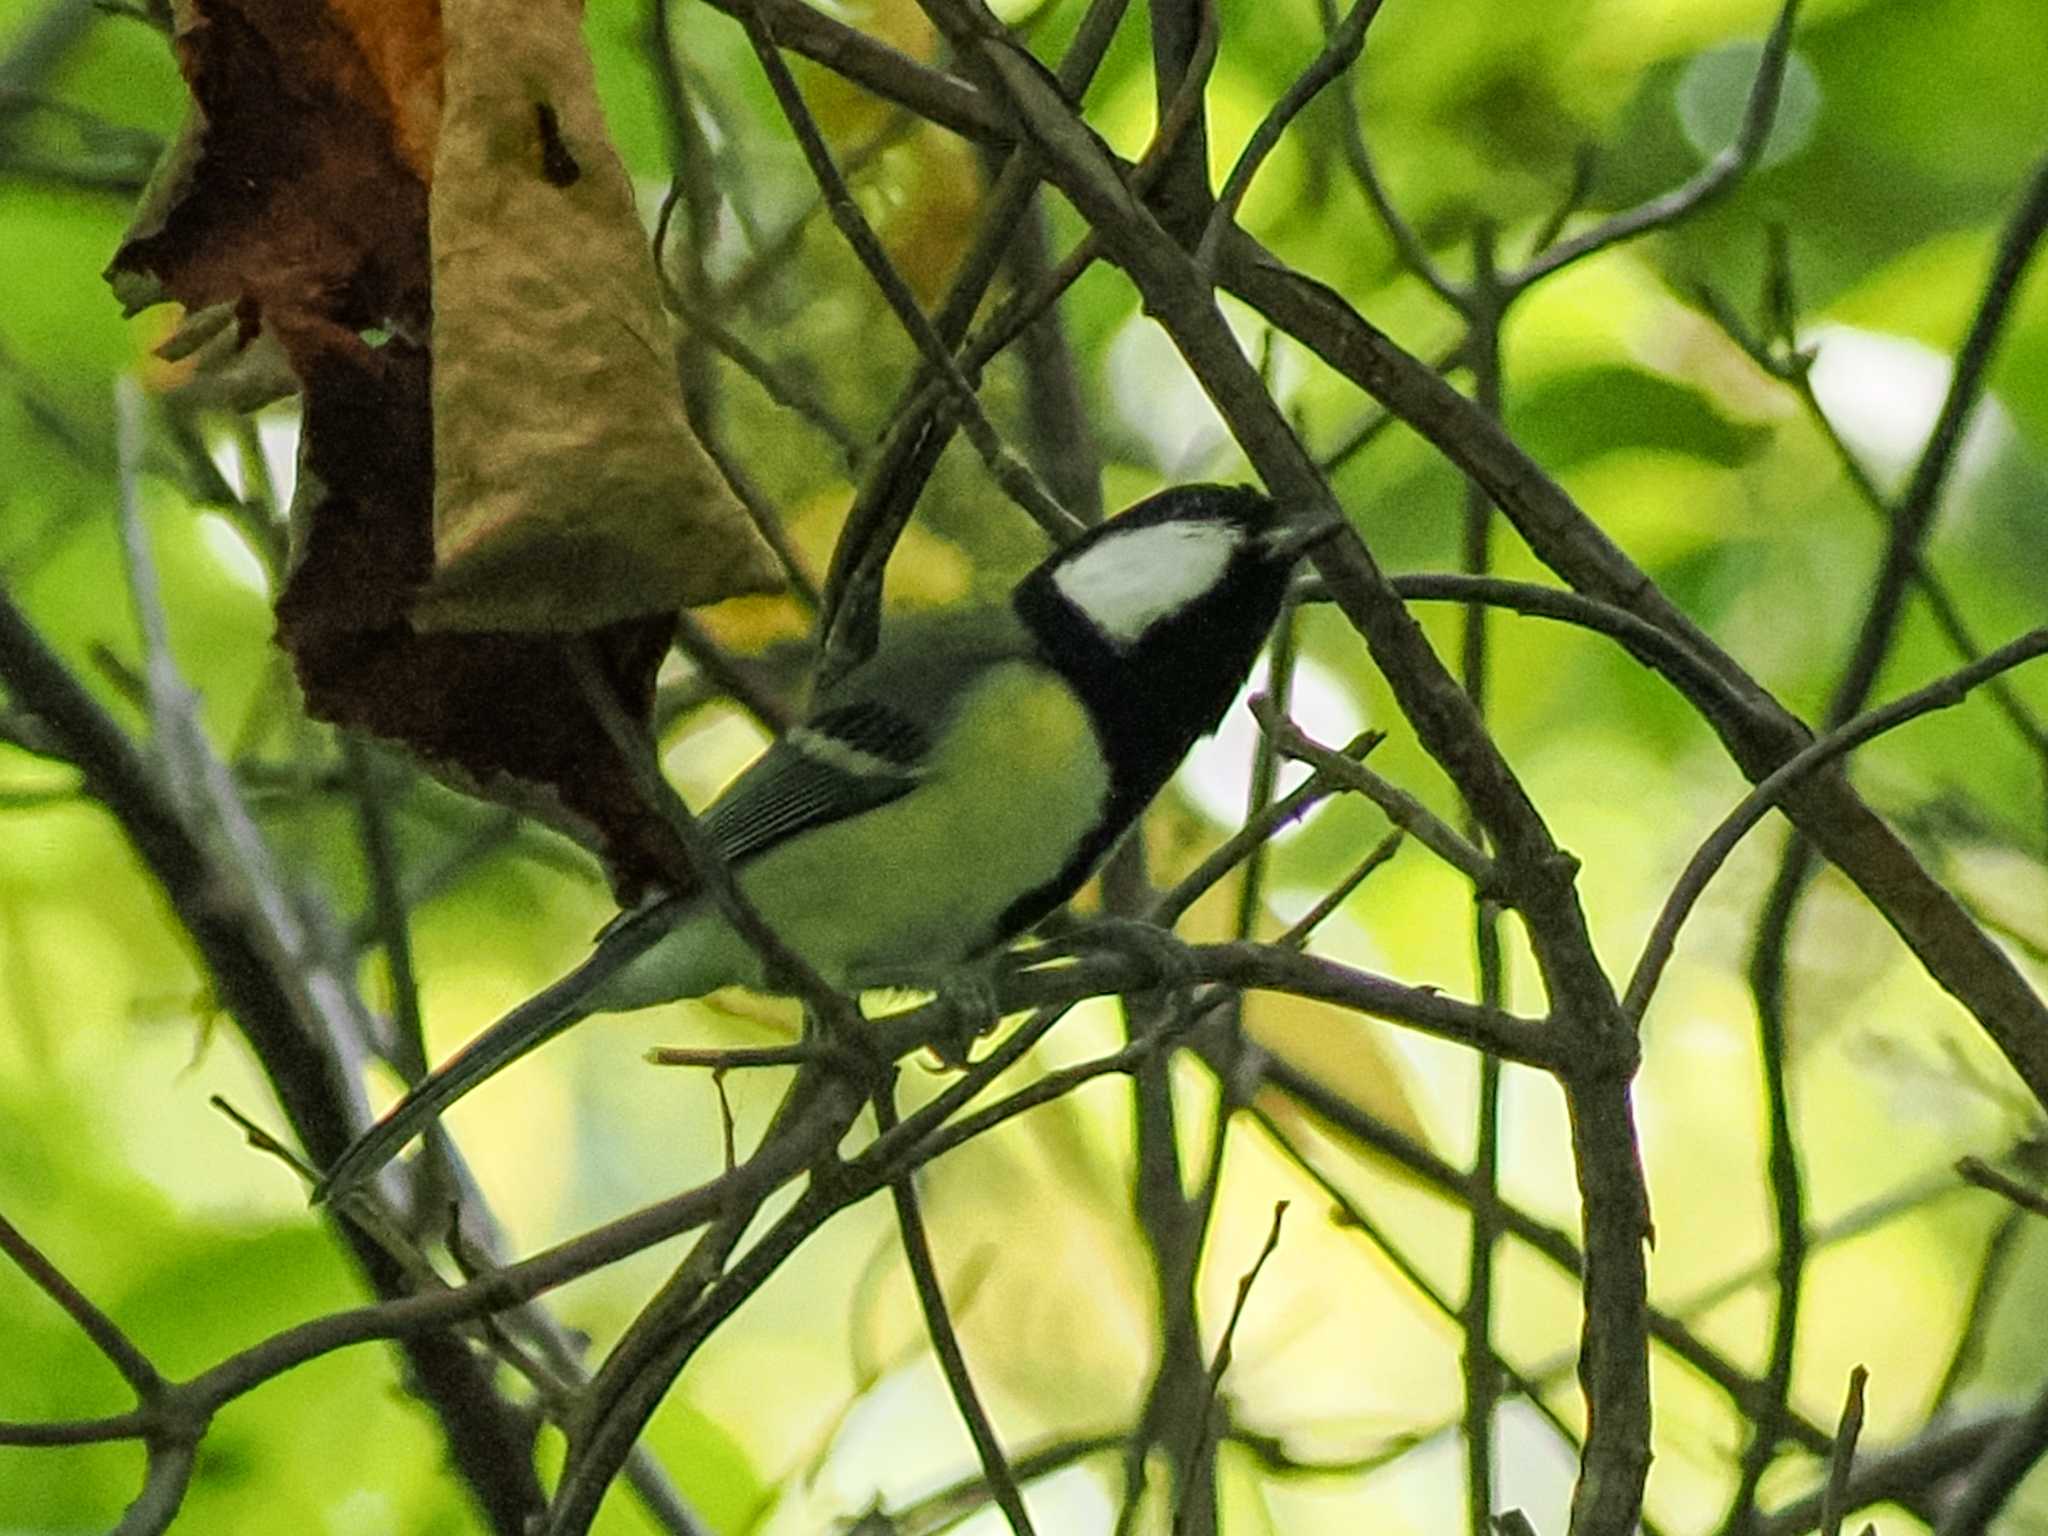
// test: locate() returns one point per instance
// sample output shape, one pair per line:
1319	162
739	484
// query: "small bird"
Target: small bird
949	792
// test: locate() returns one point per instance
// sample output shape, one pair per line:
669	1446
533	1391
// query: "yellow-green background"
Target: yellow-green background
1912	126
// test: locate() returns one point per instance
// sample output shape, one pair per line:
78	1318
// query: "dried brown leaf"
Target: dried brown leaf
293	211
568	489
287	191
500	714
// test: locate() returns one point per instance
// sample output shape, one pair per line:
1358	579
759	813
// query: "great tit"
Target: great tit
950	791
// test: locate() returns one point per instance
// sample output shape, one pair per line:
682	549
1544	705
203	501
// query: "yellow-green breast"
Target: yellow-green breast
908	891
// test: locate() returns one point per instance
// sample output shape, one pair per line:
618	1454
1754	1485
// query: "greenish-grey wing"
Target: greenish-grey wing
837	764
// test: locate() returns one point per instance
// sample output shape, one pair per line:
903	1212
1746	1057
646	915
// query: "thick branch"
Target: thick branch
1758	732
278	994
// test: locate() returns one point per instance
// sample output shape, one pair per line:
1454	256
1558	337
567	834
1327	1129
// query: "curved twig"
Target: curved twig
1944	693
1714	180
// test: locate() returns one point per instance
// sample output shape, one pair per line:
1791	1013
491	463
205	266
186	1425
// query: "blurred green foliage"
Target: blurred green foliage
1918	121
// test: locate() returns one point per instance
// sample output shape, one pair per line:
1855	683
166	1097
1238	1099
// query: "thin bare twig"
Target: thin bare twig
1553	1245
106	1335
1975	1170
938	1322
286	986
1842	1462
741	1057
263	1141
1902	1474
1944	693
668	1333
1914	514
920	428
1759	733
164	1485
389	912
1226	1345
1538	879
2016	1450
1349	1215
1980	1309
787	392
1408	245
1908	525
1010	472
1304	927
1486	311
1346	41
1714	180
1256	833
1401	808
891	74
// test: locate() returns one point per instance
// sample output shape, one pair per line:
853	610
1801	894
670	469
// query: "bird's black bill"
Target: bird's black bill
532	1024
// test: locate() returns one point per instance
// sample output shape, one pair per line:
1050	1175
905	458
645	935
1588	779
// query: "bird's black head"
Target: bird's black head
1156	617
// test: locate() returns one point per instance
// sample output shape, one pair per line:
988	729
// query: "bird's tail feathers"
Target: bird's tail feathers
532	1024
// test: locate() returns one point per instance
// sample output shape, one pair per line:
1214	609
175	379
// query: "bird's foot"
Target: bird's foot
972	1008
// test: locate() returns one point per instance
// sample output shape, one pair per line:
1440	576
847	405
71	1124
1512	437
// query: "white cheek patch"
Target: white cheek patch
1129	582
